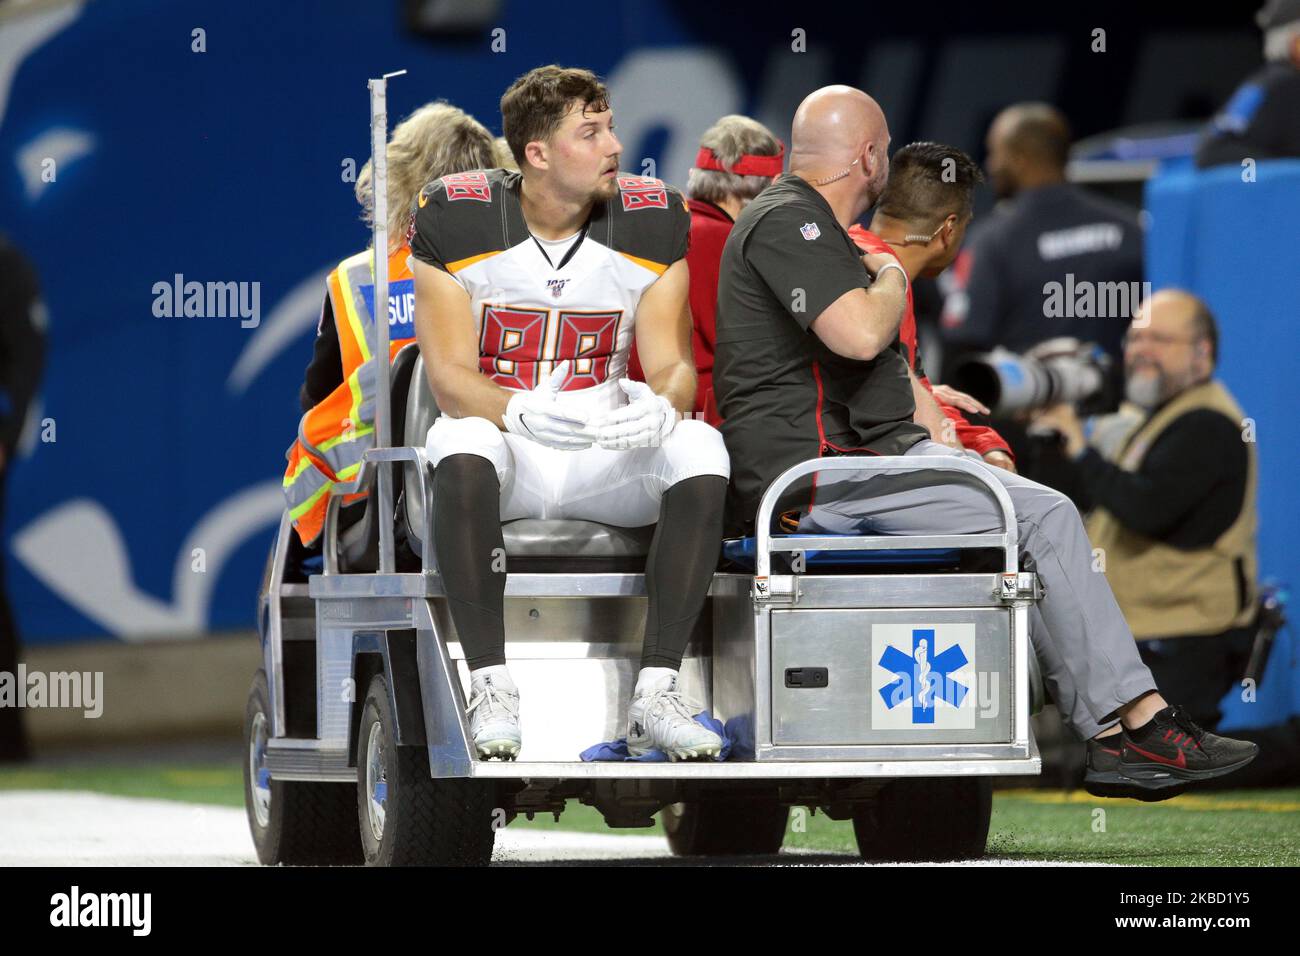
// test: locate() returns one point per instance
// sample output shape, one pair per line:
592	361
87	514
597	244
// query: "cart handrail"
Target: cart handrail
766	543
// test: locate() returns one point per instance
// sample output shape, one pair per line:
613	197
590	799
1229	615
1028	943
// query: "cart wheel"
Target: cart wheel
725	827
297	823
407	817
915	820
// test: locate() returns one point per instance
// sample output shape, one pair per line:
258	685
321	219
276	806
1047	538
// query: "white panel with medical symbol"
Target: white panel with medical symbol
923	676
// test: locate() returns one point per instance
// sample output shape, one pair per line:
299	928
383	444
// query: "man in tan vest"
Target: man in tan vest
1173	516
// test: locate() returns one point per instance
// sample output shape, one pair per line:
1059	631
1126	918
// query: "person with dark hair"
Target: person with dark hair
22	355
1045	231
529	289
921	218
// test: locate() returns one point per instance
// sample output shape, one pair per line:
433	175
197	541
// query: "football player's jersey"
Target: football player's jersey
531	313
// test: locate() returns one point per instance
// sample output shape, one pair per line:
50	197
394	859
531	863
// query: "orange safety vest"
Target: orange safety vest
335	434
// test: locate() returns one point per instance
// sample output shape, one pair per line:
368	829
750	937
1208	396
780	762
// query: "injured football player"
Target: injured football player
530	288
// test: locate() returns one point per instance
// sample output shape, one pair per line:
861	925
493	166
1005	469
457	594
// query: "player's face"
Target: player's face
585	154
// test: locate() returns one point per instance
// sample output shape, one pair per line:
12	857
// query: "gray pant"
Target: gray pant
1089	659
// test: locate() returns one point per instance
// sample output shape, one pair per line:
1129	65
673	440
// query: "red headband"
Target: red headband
747	165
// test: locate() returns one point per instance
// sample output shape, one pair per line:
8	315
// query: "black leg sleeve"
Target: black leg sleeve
471	554
679	569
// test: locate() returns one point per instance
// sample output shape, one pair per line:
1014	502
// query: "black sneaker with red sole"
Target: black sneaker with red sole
1103	779
1173	745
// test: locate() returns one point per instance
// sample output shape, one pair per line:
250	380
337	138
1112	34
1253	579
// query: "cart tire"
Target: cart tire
293	822
916	820
414	819
725	827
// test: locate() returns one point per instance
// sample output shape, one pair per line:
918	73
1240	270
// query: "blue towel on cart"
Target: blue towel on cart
617	749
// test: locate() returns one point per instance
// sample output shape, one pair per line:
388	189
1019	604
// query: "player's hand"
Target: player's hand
950	396
539	415
1001	459
644	422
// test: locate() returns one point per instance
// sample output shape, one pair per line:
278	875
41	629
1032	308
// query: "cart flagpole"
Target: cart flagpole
379	351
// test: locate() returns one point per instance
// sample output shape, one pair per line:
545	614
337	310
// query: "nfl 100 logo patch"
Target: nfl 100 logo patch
810	230
923	676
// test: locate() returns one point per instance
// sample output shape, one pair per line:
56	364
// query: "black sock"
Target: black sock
471	554
1147	729
1113	742
678	571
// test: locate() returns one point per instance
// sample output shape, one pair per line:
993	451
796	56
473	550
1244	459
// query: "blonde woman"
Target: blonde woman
436	140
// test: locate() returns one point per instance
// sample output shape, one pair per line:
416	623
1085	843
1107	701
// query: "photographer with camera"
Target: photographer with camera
1173	503
1173	517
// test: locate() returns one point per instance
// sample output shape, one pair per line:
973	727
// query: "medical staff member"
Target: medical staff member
808	365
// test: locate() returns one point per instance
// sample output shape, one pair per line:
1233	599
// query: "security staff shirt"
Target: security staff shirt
1046	265
785	397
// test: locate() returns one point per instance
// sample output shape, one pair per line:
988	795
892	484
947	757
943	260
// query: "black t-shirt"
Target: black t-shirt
783	395
1261	121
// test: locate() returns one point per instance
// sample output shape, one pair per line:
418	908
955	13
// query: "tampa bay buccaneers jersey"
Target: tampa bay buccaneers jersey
533	310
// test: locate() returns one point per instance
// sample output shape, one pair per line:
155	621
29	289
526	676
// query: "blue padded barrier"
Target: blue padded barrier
1236	244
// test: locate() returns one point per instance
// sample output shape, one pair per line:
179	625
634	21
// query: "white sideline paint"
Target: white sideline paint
70	828
67	828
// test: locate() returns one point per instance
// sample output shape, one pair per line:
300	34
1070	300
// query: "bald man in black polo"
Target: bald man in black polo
808	365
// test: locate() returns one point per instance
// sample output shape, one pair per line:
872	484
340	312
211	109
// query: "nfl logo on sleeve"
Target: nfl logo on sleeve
810	230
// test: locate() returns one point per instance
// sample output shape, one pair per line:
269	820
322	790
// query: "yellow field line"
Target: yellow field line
1184	802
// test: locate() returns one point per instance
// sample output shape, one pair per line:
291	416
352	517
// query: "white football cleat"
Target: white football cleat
660	718
493	713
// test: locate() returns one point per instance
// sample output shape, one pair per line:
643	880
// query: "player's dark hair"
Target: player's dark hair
538	101
927	183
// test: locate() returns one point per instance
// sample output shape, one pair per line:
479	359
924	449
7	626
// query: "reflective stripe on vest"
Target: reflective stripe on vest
335	434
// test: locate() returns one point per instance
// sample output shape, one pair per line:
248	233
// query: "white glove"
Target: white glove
538	415
643	423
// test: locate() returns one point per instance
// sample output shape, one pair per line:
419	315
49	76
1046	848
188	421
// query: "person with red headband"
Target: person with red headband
920	219
738	159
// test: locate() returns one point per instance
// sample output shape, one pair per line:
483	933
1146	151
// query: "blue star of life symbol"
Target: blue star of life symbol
922	676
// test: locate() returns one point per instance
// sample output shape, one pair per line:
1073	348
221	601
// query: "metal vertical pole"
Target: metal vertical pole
379	351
